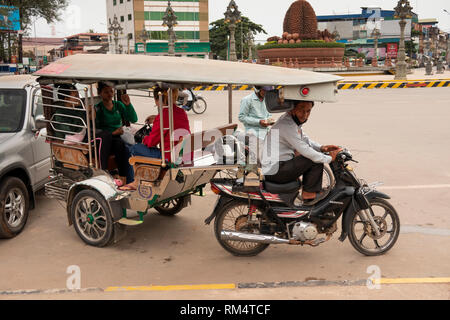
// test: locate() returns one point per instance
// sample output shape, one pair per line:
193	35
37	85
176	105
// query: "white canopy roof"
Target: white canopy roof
135	68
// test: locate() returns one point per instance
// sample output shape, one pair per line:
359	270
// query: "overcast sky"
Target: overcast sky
83	15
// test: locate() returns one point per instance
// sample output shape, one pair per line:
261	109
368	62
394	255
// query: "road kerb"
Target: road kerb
237	286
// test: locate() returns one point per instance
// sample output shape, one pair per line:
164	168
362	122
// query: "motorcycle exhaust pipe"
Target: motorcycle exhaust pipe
249	237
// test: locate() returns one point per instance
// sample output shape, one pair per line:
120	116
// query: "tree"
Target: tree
32	9
219	32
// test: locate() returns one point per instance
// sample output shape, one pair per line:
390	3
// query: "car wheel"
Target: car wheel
14	207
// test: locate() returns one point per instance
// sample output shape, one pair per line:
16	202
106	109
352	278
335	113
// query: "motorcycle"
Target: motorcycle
250	218
196	102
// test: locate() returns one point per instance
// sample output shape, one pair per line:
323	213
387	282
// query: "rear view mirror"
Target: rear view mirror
276	103
40	122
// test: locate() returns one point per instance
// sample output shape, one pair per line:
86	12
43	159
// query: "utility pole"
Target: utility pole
19	42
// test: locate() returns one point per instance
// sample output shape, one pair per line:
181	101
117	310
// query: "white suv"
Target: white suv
24	155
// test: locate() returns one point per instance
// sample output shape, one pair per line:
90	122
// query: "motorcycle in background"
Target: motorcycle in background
195	102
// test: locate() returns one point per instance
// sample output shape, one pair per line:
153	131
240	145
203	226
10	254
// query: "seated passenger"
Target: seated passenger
71	120
68	97
149	148
109	117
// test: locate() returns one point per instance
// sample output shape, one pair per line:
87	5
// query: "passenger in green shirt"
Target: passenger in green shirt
109	115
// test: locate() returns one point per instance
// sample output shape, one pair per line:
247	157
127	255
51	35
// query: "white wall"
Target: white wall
345	28
391	29
122	9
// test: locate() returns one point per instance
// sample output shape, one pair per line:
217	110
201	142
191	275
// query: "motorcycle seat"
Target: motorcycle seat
282	188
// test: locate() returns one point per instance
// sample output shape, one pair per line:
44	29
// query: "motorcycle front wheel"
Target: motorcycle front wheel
199	106
362	236
234	217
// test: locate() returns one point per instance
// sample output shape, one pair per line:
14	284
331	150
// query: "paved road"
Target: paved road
400	137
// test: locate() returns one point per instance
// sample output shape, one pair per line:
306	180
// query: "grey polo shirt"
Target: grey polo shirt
284	138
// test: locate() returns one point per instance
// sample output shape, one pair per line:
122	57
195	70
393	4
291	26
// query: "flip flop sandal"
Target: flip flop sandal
127	188
118	182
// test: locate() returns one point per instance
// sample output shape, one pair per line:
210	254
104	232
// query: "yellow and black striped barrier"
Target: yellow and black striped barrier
223	87
393	84
353	85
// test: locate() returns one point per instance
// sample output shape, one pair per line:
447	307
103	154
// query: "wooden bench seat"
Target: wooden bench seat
145	160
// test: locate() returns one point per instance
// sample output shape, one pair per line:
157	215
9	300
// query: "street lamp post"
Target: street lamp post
336	35
376	35
428	65
170	21
402	11
114	29
232	17
439	62
434	44
448	49
144	37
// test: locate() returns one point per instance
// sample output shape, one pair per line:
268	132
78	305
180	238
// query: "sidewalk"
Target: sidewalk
417	75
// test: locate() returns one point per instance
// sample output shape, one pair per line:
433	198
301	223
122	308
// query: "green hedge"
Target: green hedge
304	44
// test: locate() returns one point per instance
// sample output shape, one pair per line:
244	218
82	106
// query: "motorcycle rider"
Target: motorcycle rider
289	153
185	94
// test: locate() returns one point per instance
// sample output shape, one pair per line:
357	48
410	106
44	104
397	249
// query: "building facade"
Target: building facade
39	48
144	33
85	43
355	30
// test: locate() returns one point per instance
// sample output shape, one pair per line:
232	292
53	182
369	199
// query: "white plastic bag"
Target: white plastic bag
75	138
128	136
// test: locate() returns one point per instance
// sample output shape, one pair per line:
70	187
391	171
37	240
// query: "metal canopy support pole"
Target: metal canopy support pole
161	123
230	103
86	103
171	135
92	116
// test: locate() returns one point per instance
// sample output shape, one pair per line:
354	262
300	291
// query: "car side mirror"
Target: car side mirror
40	122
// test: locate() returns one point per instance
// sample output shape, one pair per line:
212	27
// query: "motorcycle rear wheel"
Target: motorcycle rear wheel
232	217
361	233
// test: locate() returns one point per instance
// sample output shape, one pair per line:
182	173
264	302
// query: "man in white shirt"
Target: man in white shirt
289	153
253	113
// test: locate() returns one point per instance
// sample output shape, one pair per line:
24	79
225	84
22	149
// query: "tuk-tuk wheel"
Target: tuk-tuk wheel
172	207
91	218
